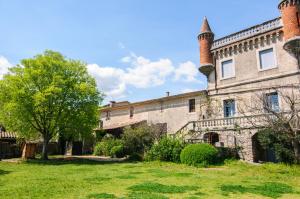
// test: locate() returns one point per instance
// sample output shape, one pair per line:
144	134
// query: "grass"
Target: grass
101	195
269	189
161	188
93	180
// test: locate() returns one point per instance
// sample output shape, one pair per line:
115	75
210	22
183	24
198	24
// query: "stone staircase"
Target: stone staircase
193	131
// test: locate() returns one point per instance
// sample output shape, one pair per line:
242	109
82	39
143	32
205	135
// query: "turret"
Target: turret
290	14
206	38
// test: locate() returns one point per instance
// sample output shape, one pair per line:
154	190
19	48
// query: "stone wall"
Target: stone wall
240	140
247	69
174	112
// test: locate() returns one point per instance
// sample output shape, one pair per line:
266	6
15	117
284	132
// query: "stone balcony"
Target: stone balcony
247	33
227	124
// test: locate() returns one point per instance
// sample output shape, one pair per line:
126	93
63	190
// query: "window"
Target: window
161	107
211	138
227	69
131	112
272	102
229	108
192	105
101	124
108	115
267	59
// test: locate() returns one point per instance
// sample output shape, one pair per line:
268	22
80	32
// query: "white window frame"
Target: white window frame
221	71
235	107
258	58
279	99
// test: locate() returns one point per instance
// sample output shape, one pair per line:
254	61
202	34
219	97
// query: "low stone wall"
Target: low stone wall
241	140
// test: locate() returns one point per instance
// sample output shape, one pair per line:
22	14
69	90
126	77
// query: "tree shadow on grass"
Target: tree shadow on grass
97	179
3	172
74	161
165	174
151	187
136	172
126	177
145	195
101	195
269	189
132	195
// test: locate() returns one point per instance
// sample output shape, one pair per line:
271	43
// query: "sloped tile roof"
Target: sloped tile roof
7	135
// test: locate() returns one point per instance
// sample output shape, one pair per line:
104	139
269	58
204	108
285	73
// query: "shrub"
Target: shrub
167	149
198	154
136	157
279	142
227	154
117	151
99	134
105	146
100	149
138	139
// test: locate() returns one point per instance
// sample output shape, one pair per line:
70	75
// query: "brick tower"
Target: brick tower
206	38
290	14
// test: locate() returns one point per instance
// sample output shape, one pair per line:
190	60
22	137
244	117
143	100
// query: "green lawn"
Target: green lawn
86	179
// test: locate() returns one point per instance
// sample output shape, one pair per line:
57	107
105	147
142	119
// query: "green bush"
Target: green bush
138	139
99	134
199	155
279	142
227	154
105	146
117	151
167	149
136	157
100	149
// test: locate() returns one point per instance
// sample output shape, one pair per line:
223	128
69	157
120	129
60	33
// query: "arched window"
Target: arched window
211	138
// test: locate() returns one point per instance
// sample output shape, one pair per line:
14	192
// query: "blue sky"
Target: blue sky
136	49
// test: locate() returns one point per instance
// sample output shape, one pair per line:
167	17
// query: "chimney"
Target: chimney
167	94
112	103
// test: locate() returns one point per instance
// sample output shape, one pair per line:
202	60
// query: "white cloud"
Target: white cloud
188	90
109	80
126	59
4	65
144	73
187	72
140	73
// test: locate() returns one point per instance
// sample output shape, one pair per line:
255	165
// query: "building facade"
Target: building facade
172	112
262	60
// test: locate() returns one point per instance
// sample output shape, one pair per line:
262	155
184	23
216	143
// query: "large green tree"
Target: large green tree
49	95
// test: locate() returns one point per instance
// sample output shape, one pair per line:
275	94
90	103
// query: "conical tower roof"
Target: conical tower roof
205	26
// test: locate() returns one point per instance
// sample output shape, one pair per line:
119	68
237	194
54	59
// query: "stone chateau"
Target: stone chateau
260	60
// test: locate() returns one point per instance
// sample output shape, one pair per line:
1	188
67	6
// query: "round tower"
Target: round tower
290	14
206	38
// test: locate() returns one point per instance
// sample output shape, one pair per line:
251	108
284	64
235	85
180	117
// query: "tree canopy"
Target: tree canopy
47	95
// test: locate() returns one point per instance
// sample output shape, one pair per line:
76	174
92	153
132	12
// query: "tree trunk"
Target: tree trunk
296	146
45	149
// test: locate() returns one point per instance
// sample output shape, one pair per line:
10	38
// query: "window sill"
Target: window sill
192	113
261	70
227	78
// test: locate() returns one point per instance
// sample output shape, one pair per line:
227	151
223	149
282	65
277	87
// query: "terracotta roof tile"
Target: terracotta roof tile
7	135
205	26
